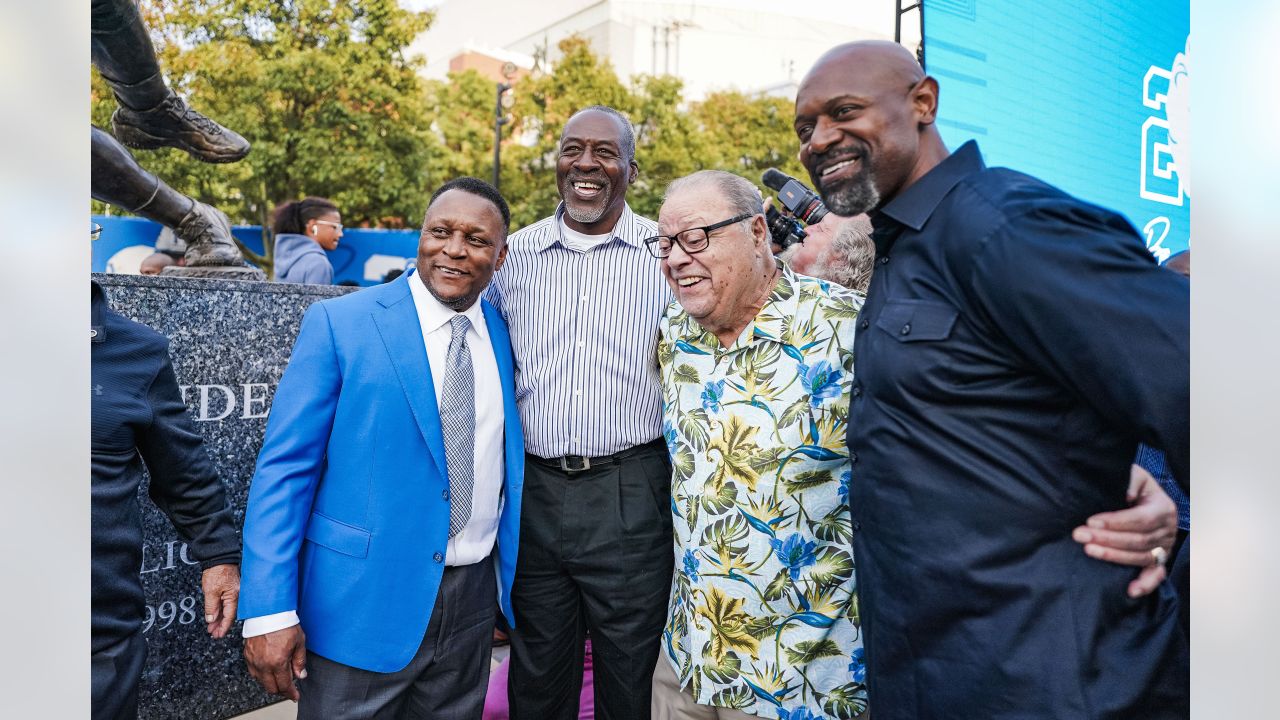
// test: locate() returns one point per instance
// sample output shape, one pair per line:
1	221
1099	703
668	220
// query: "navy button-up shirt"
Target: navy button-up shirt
1015	347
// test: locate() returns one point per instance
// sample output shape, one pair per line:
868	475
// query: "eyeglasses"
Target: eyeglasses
693	240
336	225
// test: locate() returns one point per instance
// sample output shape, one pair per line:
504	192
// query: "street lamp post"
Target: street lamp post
499	119
899	11
897	19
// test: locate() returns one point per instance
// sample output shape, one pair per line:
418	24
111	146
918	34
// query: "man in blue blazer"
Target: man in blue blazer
391	471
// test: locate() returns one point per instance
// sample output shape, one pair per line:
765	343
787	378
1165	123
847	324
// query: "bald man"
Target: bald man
155	263
1002	384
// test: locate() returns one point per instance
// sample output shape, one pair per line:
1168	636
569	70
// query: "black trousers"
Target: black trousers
116	673
1180	576
595	556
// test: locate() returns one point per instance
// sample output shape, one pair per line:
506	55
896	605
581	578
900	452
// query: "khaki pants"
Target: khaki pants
672	703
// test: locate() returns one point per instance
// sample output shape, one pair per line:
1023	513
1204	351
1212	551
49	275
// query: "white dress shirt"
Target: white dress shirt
475	541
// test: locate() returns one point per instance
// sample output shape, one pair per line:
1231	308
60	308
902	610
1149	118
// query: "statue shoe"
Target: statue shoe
173	124
208	236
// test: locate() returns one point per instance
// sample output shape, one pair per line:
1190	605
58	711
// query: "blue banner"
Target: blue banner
1088	95
363	255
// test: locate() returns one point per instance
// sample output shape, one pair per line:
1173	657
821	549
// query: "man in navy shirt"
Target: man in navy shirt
1015	347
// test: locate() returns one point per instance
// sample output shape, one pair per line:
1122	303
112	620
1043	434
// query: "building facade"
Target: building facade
754	46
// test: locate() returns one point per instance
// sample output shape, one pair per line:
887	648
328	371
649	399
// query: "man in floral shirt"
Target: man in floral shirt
756	368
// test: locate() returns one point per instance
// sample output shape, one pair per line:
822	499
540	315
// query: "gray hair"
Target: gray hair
849	259
628	130
743	197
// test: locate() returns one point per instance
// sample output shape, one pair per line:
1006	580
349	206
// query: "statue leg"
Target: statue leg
118	179
122	52
150	114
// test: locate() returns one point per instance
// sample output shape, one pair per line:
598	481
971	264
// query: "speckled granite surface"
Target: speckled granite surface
230	342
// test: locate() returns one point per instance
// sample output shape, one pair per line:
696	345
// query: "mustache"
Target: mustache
601	180
834	155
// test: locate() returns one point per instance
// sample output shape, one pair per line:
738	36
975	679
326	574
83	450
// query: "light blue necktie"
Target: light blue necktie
458	423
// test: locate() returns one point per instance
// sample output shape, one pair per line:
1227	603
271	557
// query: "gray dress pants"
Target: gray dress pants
445	680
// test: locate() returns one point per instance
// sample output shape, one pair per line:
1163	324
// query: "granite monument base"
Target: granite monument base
230	342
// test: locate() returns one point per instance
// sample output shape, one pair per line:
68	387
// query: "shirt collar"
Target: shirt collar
625	229
434	314
913	206
783	303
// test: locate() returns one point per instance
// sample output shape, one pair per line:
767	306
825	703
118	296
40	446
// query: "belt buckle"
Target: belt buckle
564	464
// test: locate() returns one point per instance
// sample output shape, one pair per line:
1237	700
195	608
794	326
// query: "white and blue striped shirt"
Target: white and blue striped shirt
584	329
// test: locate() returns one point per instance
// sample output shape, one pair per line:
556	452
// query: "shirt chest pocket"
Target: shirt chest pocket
915	321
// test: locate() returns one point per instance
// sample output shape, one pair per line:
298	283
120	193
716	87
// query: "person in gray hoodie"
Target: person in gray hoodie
304	230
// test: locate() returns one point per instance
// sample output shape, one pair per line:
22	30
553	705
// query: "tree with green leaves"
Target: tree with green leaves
324	92
728	131
334	107
542	106
461	113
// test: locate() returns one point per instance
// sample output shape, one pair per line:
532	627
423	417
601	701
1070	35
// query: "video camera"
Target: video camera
803	207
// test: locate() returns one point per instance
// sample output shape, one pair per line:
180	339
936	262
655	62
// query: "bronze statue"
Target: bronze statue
150	115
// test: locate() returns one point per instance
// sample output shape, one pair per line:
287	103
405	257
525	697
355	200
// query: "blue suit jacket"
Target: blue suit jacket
347	521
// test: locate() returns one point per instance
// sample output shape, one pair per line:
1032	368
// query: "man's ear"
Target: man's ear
502	256
924	100
633	173
760	230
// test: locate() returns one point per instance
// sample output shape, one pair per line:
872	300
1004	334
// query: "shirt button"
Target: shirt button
438	557
884	260
581	343
906	329
857	526
853	458
864	325
93	333
857	390
445	494
577	392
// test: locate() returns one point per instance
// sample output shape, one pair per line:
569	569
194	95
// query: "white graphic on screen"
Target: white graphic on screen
1166	144
1154	233
1166	162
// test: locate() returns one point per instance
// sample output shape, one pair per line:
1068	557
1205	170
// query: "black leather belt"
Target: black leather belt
578	463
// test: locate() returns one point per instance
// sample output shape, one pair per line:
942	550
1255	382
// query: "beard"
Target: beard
591	211
854	196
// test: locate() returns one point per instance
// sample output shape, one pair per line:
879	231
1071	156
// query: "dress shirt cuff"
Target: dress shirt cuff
231	558
269	623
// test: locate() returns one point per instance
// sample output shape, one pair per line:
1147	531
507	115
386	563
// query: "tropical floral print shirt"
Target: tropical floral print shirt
763	615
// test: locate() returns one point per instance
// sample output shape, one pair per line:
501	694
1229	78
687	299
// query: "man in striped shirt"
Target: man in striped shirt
583	298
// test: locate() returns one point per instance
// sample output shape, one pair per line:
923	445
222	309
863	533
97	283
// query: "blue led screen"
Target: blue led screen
1090	96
